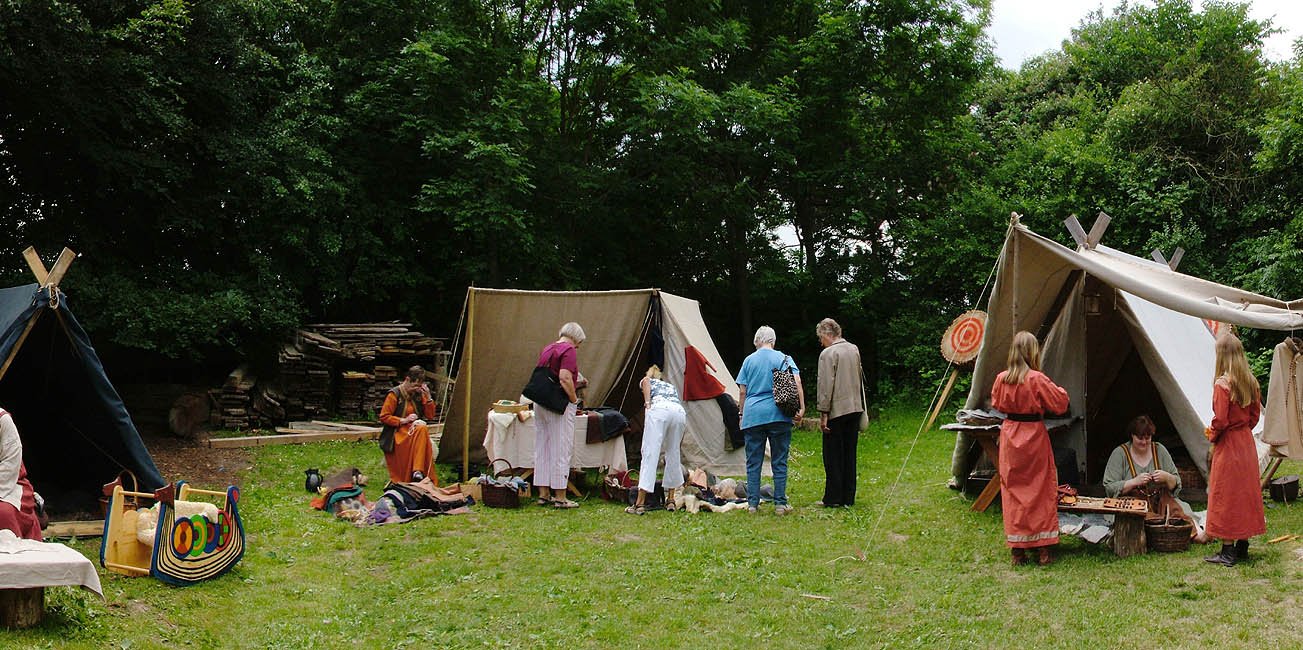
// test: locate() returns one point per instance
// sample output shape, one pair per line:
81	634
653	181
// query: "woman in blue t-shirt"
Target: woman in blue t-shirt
762	421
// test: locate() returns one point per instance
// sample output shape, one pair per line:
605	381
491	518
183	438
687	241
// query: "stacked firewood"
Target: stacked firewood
232	399
305	379
355	392
329	369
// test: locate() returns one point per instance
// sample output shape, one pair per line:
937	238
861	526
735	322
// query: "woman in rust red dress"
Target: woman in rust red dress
1235	510
1028	480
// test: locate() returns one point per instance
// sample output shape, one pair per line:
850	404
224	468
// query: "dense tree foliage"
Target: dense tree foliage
230	169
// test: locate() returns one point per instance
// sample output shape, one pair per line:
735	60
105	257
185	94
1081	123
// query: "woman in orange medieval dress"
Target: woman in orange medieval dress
1235	511
1028	479
405	410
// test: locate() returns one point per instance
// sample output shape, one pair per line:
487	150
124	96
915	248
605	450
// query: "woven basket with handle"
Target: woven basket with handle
500	496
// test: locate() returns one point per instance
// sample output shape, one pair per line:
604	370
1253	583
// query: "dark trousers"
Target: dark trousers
839	446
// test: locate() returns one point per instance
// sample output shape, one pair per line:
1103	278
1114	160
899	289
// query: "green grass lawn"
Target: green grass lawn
933	575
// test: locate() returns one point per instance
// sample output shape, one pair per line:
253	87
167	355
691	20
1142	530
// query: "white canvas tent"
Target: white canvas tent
507	329
1124	335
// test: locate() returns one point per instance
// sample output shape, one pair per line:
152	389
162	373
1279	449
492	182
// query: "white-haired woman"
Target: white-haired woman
554	432
762	421
663	423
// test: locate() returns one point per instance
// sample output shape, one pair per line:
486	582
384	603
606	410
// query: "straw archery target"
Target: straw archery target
963	339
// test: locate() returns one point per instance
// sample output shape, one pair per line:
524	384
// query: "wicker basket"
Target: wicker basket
500	496
508	407
1170	538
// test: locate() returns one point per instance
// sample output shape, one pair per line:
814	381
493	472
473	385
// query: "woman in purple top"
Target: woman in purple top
554	432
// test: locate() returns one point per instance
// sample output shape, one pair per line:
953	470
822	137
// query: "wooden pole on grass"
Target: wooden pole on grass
950	383
470	356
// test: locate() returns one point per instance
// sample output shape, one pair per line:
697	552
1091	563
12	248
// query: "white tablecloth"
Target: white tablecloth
510	439
26	563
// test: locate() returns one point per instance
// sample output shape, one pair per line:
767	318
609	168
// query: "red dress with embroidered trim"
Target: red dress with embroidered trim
1234	494
1028	479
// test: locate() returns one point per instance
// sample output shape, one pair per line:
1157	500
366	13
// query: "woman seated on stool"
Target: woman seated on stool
1144	465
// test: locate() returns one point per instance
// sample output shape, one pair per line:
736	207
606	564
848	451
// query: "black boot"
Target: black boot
1242	550
1224	557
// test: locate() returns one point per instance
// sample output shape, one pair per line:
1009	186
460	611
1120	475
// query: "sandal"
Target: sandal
544	502
564	504
636	510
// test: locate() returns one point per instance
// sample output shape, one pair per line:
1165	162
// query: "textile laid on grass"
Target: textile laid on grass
1122	334
1028	480
1235	508
1282	426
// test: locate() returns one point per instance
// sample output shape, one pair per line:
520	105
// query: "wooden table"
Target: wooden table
1128	523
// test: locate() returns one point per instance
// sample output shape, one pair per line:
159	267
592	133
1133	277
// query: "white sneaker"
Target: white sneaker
783	509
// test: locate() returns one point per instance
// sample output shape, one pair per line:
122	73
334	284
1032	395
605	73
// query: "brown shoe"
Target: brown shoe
1044	557
1018	556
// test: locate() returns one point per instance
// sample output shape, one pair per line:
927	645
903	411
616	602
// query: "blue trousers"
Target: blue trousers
779	437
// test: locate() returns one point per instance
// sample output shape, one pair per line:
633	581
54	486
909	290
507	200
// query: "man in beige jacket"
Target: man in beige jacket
841	401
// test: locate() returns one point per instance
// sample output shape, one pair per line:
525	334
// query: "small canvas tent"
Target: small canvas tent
1123	335
75	430
626	330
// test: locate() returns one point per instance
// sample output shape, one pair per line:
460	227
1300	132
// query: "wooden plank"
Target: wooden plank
34	263
1157	256
1176	258
1074	228
288	431
290	439
75	528
1097	230
61	266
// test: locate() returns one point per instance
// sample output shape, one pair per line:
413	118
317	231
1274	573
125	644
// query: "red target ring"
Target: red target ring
963	339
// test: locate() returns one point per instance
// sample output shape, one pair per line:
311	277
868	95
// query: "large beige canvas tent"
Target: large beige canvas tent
507	329
1122	334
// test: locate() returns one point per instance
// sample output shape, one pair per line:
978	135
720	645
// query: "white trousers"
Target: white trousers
662	429
554	444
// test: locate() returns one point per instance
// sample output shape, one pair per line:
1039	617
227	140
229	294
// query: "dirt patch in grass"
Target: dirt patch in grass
196	463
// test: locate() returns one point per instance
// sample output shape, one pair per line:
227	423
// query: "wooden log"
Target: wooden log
189	415
1129	535
21	608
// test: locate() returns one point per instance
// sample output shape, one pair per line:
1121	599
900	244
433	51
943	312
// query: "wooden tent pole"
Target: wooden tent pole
18	346
470	356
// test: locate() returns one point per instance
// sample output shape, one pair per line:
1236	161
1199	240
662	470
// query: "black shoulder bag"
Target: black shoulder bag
545	389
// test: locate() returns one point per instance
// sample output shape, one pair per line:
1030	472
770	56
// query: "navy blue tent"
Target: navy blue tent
75	430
